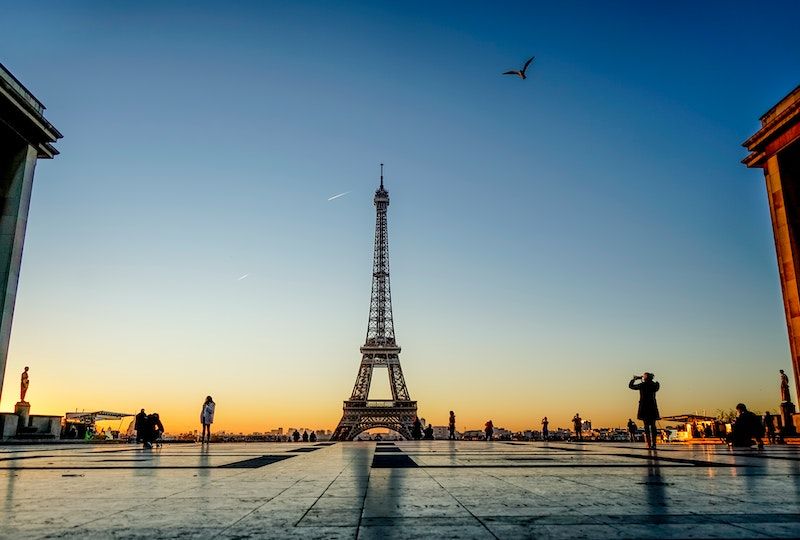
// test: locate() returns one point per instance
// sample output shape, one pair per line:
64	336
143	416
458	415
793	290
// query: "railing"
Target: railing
14	85
380	403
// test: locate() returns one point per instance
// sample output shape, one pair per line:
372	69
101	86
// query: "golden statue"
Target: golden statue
23	386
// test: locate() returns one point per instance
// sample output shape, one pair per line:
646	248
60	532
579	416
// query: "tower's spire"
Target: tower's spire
381	175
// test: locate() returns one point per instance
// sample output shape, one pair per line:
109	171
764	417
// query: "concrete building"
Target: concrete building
775	148
25	137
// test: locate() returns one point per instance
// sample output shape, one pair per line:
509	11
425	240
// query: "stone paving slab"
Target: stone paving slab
437	489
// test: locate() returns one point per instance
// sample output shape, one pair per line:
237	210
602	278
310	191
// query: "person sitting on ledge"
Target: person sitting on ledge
428	433
746	428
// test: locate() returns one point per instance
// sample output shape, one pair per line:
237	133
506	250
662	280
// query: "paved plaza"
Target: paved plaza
425	489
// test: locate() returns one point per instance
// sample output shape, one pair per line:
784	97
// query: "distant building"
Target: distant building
443	432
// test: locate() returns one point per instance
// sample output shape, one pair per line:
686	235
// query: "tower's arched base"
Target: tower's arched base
359	416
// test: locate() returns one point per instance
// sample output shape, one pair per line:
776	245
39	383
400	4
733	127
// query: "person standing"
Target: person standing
577	423
207	418
141	422
488	430
416	429
452	426
648	407
769	423
545	428
632	430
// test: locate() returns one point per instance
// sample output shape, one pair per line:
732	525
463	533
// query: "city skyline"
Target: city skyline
208	227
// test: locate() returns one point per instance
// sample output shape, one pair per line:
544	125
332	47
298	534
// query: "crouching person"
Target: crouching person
746	428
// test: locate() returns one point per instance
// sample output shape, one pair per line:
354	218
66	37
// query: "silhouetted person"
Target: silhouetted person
305	436
153	429
769	423
451	425
648	407
312	437
141	419
545	428
746	428
296	436
488	430
577	423
416	430
428	433
632	429
207	418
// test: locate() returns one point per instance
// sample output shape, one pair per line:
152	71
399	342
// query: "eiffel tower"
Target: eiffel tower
379	350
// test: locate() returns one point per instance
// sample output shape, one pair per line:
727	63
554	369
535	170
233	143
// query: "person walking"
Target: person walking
769	423
207	418
489	430
577	423
648	407
632	429
545	429
452	426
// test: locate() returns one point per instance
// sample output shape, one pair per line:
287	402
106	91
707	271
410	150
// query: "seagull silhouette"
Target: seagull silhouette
521	73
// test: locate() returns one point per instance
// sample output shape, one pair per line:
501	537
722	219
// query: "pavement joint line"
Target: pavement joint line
562	478
364	498
211	481
694	462
479	520
318	498
250	513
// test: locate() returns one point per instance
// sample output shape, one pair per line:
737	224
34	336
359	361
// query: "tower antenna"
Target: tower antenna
381	175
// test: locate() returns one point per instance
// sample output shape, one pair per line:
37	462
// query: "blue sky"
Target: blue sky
548	237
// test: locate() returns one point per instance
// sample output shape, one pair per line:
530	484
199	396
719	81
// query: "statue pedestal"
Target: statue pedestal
23	410
787	410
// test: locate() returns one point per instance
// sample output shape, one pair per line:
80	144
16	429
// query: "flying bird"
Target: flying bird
337	196
521	73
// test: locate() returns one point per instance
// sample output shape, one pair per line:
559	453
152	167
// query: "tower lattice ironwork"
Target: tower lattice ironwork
379	350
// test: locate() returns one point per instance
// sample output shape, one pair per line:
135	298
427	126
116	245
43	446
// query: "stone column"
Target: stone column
775	148
786	251
17	162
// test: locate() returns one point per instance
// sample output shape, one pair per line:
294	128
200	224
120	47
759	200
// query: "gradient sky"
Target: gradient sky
548	238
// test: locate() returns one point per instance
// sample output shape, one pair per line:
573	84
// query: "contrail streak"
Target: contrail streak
241	278
339	195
